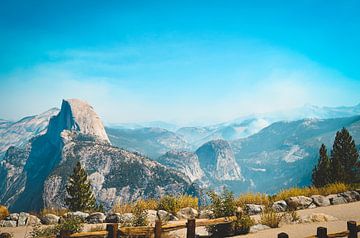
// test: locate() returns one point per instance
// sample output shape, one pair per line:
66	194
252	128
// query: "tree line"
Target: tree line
342	165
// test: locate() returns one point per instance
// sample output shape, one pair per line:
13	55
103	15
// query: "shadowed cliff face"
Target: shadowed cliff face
77	134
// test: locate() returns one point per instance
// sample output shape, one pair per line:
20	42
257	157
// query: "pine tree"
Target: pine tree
344	158
79	192
321	172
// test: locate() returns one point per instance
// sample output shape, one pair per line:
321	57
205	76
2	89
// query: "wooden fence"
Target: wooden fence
352	232
113	230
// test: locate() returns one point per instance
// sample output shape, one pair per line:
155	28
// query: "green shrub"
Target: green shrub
173	204
242	224
140	216
222	205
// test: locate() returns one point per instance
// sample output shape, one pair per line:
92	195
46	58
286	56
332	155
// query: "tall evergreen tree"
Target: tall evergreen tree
321	173
344	158
79	192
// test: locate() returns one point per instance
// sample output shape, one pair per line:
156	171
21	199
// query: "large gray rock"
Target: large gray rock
113	218
23	216
166	216
280	206
13	217
258	227
299	202
5	235
351	196
336	199
320	201
50	219
187	213
253	209
79	215
33	221
206	214
5	223
151	216
96	217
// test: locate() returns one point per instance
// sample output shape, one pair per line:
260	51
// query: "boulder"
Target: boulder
33	221
23	216
336	199
187	213
79	215
126	218
166	216
13	217
351	196
151	216
298	202
206	214
320	201
280	206
253	209
96	217
258	227
6	223
50	219
113	218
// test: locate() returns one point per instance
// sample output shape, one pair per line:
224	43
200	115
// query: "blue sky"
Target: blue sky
179	61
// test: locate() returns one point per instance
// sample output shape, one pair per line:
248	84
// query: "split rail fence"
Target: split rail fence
113	230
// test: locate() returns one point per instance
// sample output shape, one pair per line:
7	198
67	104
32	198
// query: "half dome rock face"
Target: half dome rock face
218	161
77	115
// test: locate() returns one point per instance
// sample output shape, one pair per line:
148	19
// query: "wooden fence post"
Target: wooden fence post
112	230
283	235
158	229
190	228
352	228
321	232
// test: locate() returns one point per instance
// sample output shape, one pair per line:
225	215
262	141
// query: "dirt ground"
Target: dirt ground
343	212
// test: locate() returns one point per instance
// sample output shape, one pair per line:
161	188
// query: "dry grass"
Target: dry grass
271	218
187	201
309	191
253	198
4	212
122	208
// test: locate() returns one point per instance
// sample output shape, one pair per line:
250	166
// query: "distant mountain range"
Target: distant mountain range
262	152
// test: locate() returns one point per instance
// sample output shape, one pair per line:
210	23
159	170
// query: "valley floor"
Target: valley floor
343	212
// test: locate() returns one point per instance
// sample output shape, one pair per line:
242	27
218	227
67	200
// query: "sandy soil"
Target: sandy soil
343	212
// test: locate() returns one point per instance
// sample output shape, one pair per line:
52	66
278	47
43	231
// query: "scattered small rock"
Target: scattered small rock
253	209
258	227
96	217
187	213
280	206
50	219
317	217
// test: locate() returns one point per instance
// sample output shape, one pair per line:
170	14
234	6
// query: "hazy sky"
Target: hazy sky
178	61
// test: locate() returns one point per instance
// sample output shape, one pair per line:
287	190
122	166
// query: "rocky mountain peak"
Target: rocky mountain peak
77	115
218	161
